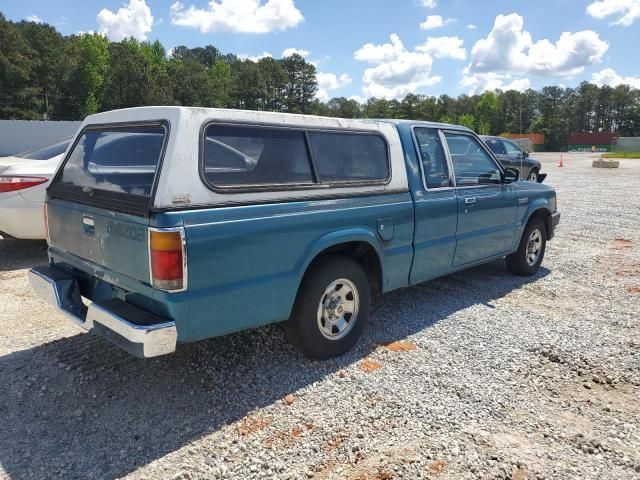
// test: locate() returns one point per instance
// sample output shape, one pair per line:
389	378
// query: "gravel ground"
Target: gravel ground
490	375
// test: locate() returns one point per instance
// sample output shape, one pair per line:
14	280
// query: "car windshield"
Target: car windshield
45	153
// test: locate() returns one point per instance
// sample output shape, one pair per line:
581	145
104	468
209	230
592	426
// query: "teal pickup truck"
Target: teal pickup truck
172	224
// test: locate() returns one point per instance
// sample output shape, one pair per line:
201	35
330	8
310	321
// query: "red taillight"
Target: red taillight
166	259
12	183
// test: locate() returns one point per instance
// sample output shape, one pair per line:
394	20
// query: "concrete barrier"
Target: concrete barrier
605	163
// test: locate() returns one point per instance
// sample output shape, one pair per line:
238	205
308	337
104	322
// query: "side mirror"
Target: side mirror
525	154
510	175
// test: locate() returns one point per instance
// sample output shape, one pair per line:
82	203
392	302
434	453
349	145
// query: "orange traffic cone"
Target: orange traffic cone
561	162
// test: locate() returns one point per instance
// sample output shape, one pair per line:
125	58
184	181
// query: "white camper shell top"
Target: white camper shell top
179	183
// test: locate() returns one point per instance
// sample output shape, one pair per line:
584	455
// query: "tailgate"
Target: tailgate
113	240
98	204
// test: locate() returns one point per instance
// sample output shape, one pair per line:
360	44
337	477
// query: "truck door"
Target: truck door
486	206
436	208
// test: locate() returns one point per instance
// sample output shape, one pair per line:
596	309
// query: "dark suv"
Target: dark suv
511	155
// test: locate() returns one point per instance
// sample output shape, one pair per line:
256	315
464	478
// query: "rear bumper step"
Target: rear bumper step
131	328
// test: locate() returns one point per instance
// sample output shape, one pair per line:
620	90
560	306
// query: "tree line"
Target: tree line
44	74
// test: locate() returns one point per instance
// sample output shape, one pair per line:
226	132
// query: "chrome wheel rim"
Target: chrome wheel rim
533	177
534	247
338	309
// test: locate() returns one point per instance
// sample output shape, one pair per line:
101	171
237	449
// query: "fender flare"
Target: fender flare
539	204
536	206
337	237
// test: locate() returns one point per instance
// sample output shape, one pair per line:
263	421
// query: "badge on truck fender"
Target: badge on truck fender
181	199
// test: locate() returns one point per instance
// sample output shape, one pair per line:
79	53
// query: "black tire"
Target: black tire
304	329
531	174
518	262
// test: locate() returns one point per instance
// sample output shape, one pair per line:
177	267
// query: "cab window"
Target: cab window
472	165
432	157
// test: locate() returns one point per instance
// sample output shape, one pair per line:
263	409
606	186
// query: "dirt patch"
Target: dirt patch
618	243
633	290
555	303
400	346
249	425
288	437
437	467
335	441
628	272
370	366
520	474
361	467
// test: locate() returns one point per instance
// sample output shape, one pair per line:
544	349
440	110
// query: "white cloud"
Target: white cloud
34	18
380	53
481	82
435	21
330	81
429	3
608	76
287	52
471	26
444	47
240	16
254	58
628	11
395	71
358	99
510	49
132	20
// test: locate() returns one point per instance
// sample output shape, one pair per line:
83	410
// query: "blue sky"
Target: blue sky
385	48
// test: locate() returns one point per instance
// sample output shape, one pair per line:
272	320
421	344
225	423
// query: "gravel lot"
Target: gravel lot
491	376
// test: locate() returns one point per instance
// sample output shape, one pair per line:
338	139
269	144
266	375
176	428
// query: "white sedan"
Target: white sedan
23	182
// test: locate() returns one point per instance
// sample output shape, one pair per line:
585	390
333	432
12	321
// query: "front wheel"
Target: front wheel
527	259
533	176
331	309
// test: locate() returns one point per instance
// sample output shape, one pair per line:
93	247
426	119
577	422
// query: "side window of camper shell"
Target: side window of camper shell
244	156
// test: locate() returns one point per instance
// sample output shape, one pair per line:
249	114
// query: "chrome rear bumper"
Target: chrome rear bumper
133	329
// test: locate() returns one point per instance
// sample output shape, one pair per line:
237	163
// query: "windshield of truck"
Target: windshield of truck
115	159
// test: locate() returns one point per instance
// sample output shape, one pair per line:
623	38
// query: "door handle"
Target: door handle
470	200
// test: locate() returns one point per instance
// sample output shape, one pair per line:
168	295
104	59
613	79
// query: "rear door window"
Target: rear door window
496	146
349	157
472	165
236	156
434	162
112	166
512	149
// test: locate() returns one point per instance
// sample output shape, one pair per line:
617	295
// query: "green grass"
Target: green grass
621	155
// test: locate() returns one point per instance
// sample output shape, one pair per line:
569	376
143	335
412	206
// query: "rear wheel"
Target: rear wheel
331	309
527	259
